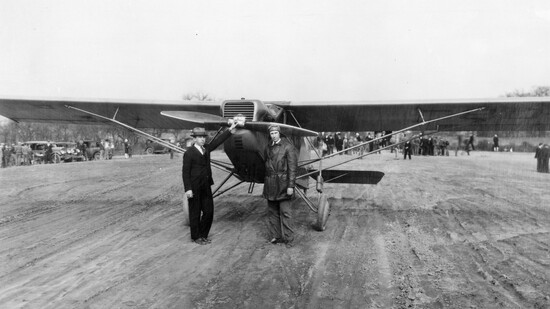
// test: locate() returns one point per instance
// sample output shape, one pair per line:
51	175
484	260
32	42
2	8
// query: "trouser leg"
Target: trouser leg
272	220
194	216
207	208
287	228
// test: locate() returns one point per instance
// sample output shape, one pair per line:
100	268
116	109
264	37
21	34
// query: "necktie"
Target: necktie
203	151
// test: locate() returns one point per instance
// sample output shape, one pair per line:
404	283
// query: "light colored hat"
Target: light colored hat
198	132
274	127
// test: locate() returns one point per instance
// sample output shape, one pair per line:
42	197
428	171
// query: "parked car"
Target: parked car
153	147
93	150
67	152
59	151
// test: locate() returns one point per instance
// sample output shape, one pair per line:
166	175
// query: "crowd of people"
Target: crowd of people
330	143
17	154
22	154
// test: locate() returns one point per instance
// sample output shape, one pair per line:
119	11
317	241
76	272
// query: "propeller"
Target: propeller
286	129
211	121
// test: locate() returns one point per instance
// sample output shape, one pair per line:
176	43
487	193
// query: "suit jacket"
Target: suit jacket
196	171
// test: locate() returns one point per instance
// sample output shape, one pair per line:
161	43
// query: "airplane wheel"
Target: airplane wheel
322	212
185	210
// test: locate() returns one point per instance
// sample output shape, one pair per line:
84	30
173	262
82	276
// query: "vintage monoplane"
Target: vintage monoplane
300	122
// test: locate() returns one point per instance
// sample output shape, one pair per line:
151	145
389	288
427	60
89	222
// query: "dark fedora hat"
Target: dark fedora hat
198	132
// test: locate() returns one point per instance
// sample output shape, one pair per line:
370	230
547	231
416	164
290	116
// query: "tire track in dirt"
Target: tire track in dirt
435	233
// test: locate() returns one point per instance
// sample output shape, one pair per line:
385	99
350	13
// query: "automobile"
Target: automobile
153	147
93	150
59	151
66	152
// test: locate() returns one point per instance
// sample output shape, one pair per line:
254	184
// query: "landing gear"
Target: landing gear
322	212
322	209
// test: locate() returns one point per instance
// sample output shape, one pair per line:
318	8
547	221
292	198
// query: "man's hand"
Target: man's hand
232	128
237	121
290	191
189	194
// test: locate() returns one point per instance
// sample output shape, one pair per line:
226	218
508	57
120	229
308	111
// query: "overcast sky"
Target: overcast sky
273	50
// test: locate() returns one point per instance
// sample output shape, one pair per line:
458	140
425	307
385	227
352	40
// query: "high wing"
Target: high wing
500	114
138	114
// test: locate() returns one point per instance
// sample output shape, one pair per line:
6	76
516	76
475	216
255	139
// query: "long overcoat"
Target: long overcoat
281	164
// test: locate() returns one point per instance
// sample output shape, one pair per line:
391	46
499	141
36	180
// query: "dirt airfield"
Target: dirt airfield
436	232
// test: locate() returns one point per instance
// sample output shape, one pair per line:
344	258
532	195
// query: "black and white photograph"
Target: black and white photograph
274	154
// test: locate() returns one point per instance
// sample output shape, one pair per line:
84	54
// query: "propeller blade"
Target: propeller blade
285	128
209	121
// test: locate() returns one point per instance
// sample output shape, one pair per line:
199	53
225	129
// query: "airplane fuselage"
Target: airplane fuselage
246	151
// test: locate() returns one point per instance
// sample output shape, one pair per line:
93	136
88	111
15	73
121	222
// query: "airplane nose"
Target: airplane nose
240	119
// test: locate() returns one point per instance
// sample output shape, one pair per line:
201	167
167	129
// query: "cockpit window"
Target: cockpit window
274	111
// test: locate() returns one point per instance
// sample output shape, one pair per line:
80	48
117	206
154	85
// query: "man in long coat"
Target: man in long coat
281	164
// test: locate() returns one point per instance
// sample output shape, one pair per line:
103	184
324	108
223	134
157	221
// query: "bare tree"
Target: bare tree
540	91
197	96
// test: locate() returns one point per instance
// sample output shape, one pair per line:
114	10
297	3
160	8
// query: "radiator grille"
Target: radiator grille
232	109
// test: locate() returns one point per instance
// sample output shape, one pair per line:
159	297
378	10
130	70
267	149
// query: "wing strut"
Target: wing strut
132	129
116	112
218	164
421	116
424	122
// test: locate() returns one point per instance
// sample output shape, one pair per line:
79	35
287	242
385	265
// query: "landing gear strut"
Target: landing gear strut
322	208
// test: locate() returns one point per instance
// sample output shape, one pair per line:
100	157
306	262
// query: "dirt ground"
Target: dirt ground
436	232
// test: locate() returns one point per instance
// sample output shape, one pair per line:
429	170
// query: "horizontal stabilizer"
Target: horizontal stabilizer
348	176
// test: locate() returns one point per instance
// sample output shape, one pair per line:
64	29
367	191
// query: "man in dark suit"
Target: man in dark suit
197	179
545	153
538	156
407	150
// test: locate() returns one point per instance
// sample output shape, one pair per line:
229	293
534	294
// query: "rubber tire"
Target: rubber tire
56	158
97	156
185	210
322	212
149	151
